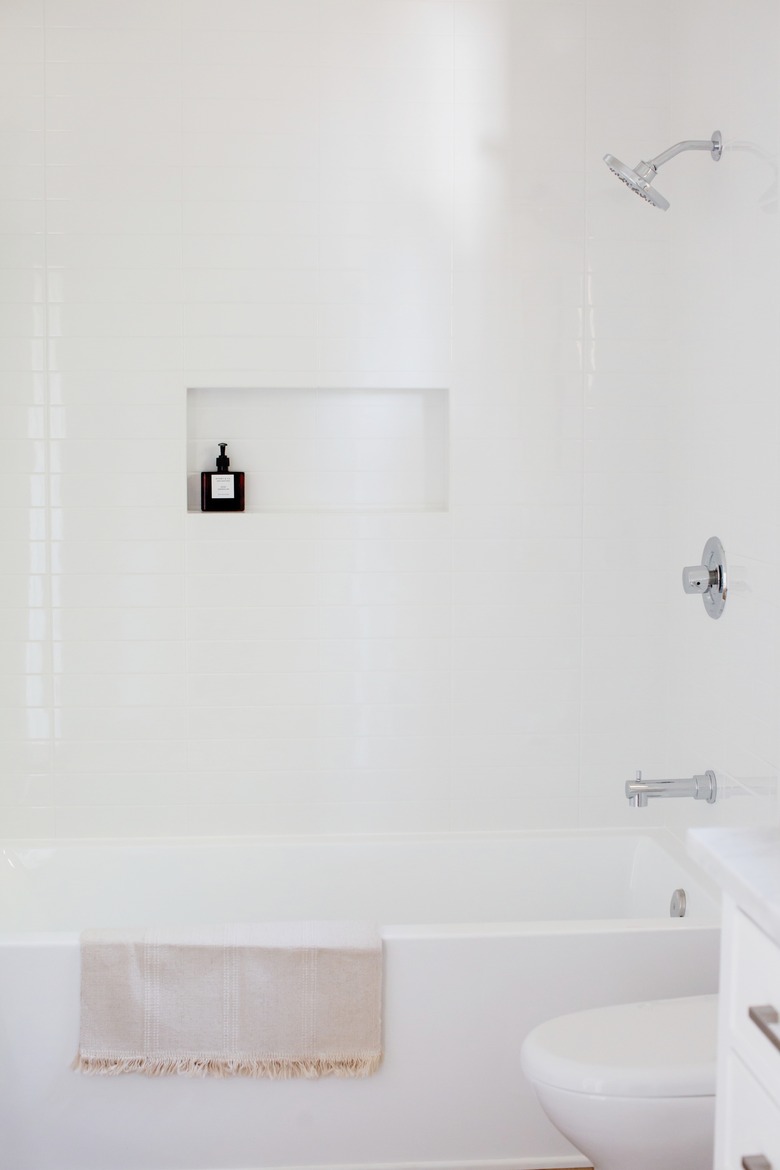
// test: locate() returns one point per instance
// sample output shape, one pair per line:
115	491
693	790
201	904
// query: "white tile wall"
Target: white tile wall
727	415
356	196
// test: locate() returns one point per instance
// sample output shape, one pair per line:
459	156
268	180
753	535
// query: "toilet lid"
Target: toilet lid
660	1048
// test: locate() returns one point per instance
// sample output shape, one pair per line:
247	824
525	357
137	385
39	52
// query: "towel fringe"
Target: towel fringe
194	1066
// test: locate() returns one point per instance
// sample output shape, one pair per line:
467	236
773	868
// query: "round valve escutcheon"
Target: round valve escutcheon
710	578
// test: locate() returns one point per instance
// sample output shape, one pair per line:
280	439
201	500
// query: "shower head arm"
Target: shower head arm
714	145
640	178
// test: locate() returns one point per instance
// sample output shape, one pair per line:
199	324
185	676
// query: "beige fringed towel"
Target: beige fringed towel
295	999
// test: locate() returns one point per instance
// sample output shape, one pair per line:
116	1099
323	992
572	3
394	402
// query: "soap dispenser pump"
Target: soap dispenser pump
222	490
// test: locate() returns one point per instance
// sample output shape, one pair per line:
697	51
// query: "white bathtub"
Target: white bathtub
484	937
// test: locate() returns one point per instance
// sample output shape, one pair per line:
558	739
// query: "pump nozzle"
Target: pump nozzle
223	463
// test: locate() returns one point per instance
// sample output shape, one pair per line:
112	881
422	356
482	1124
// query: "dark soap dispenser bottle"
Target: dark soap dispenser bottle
222	490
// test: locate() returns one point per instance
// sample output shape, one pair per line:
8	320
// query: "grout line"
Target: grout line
586	332
450	802
48	438
183	390
319	770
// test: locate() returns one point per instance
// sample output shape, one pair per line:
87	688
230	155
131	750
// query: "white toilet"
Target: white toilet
631	1086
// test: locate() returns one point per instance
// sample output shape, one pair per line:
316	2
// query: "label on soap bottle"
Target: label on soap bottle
223	487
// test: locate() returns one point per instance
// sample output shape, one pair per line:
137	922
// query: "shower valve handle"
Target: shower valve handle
698	578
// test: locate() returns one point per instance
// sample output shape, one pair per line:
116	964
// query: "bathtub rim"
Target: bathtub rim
663	836
509	928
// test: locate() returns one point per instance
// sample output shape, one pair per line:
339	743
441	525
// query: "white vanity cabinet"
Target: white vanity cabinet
746	864
747	1128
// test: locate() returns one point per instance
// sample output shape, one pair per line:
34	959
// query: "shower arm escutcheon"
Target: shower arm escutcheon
710	578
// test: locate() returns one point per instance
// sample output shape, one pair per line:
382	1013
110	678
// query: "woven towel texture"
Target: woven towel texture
276	999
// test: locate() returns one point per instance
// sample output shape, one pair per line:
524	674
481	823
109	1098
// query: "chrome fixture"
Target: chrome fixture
678	904
640	178
639	791
710	578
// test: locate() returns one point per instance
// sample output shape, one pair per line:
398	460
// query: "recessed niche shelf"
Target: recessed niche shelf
322	449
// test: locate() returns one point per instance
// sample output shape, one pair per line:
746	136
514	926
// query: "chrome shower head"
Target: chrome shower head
641	177
637	182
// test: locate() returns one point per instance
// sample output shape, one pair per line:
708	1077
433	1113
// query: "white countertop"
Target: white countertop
746	865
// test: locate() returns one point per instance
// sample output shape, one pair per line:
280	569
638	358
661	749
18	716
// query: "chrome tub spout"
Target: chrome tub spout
704	787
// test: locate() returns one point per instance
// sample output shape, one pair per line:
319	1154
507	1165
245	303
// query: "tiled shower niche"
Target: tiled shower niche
323	448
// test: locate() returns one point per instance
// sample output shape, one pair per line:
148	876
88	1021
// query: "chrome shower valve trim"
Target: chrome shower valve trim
710	578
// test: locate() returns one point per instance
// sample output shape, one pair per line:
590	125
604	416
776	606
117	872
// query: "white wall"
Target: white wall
385	195
630	581
724	407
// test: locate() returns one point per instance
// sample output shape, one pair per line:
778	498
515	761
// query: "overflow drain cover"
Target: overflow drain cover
678	904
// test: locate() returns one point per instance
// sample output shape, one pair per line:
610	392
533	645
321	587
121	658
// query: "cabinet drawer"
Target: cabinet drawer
755	996
752	1119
